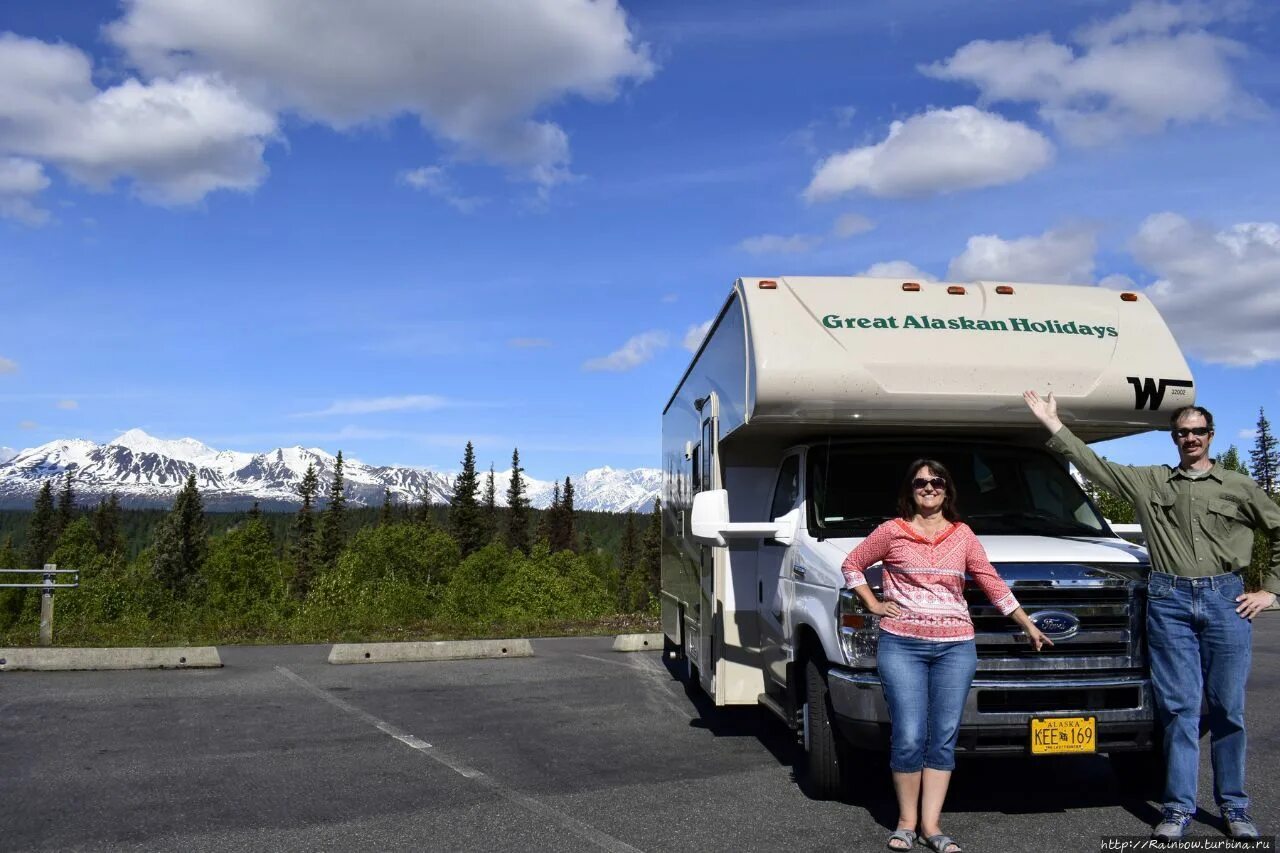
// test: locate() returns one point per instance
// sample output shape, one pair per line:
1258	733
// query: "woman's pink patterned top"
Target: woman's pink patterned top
926	578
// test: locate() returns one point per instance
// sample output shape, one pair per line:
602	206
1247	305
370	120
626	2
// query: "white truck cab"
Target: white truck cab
786	443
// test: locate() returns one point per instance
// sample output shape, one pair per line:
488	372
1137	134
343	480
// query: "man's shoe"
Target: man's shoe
1172	826
1239	823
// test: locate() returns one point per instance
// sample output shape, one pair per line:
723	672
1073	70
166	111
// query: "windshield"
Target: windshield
1010	490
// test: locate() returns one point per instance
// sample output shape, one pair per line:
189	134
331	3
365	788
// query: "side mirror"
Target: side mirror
710	523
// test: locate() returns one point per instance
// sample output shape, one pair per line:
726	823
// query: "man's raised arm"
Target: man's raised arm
1123	480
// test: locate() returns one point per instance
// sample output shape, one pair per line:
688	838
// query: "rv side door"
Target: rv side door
776	585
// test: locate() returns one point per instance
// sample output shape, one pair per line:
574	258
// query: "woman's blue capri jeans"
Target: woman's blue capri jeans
925	685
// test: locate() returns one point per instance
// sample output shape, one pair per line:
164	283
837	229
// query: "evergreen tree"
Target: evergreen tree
517	508
1264	459
653	550
563	537
106	527
333	519
182	542
489	508
386	515
304	534
465	522
9	558
588	544
42	532
548	524
630	570
1231	461
255	513
422	512
66	504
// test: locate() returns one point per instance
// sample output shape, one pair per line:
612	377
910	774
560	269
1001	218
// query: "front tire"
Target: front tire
825	758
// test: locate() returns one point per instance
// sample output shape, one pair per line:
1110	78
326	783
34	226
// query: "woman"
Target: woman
927	656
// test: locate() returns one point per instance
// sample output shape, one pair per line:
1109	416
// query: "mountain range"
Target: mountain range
145	471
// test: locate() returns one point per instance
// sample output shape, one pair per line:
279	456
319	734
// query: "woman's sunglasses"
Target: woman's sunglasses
1183	432
937	482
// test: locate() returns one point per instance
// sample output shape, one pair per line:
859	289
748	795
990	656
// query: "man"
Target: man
1199	521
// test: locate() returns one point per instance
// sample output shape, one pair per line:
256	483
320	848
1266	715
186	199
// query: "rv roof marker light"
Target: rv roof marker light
911	286
768	285
1004	290
956	290
1129	297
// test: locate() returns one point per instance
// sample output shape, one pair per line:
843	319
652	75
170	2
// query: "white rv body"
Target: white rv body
797	367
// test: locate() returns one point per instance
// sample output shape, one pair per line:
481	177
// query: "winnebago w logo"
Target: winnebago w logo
1147	390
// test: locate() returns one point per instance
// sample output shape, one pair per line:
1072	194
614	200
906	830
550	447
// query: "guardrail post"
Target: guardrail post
46	604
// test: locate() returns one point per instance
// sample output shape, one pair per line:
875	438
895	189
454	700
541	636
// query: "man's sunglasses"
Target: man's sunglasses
1183	432
937	482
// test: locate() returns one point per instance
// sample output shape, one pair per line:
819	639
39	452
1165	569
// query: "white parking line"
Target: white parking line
602	840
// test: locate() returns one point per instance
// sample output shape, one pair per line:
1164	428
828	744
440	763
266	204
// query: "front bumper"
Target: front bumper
997	713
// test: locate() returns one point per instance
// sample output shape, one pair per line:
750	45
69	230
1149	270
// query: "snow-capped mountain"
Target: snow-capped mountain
7	453
147	472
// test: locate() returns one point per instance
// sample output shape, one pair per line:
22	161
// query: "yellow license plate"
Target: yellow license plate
1059	735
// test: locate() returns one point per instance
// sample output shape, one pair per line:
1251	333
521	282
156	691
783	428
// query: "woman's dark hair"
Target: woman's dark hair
907	497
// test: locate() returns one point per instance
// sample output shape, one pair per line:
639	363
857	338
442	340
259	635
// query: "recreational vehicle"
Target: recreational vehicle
785	443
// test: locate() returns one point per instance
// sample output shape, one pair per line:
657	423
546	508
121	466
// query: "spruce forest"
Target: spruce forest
330	572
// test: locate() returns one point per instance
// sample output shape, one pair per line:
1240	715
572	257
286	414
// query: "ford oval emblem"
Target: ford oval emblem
1056	624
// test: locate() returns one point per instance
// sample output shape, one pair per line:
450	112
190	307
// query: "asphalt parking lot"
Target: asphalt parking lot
576	748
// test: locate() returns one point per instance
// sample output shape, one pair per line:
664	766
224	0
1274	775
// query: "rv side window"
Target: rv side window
696	473
787	491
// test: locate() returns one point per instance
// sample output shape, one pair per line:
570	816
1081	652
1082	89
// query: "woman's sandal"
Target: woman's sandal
942	844
907	836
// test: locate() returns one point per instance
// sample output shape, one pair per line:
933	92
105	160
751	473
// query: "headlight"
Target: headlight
859	630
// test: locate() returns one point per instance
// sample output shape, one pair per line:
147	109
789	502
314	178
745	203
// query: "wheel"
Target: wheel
822	766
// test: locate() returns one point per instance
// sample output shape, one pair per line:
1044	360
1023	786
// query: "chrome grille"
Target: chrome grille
1106	601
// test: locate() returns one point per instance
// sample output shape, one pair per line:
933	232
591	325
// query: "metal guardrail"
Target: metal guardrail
49	576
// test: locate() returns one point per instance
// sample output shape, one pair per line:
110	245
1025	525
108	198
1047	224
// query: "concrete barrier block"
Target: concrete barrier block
417	652
637	643
51	659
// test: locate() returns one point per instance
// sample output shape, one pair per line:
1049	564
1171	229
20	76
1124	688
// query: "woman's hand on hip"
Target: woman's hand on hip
886	608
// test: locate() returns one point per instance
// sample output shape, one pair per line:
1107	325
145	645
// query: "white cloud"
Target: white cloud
1057	256
8	365
67	405
851	224
177	139
436	181
776	244
694	334
635	352
28	425
901	270
373	405
1248	434
20	180
1137	73
475	72
937	151
528	343
669	298
1217	289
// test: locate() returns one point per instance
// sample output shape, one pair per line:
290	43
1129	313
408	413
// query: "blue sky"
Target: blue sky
280	222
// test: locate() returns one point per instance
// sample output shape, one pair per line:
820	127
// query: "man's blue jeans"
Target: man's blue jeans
1199	646
925	686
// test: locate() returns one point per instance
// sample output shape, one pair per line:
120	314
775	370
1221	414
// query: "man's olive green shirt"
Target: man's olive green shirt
1195	526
